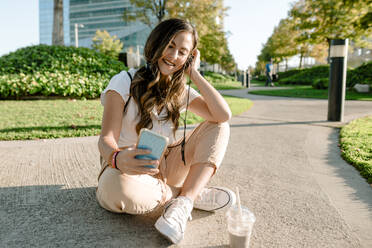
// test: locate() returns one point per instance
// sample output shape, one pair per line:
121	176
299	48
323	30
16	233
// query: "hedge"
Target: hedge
15	86
55	71
307	76
360	75
289	73
56	58
321	83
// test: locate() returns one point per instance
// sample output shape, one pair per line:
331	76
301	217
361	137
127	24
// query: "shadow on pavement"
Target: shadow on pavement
52	216
361	190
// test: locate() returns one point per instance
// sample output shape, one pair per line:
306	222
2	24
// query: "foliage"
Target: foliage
202	14
307	76
318	76
59	83
222	81
262	78
55	71
287	41
312	24
106	44
58	58
356	145
146	11
282	42
321	83
325	20
289	73
310	92
360	75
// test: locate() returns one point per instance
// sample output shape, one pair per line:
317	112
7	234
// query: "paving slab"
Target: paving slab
282	155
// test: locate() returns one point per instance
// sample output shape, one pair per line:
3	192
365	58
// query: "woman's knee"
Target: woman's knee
220	126
209	143
220	131
122	193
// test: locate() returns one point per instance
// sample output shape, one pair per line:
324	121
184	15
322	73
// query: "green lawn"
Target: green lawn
223	84
43	119
356	145
310	92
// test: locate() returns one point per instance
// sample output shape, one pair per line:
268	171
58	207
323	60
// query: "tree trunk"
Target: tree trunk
329	50
161	10
301	57
57	35
286	64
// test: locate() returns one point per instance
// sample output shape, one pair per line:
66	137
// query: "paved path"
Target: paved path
283	155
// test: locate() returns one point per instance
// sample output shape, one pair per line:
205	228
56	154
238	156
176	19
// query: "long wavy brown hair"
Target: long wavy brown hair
149	87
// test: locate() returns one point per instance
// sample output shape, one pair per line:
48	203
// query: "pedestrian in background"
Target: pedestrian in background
269	72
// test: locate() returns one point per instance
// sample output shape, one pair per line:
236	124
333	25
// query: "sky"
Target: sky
249	23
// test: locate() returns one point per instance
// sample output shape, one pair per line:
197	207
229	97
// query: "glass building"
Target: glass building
94	15
46	21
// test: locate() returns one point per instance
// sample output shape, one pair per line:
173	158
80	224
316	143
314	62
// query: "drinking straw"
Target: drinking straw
238	202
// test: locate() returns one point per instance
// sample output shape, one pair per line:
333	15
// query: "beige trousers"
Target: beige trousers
139	194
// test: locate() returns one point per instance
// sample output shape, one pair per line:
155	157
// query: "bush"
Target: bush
218	77
321	83
281	75
307	76
222	81
289	73
262	78
51	84
360	75
58	58
57	71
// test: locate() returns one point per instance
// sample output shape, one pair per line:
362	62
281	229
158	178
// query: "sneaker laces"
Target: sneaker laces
179	211
207	197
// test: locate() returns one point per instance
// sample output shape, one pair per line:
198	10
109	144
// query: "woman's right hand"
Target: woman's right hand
127	163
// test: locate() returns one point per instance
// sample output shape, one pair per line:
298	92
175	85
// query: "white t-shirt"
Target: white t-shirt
128	135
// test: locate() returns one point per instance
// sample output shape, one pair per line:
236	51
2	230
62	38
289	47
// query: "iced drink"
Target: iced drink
240	226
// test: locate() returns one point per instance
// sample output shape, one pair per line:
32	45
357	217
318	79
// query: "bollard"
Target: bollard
337	79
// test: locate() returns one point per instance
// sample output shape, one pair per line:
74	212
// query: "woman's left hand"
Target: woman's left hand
195	63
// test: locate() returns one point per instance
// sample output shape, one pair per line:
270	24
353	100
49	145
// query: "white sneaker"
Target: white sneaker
172	223
214	198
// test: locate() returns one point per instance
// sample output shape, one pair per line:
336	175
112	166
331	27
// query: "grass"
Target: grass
356	145
45	119
310	92
237	106
222	82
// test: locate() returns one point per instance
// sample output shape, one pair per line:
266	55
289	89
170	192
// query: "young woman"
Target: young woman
153	97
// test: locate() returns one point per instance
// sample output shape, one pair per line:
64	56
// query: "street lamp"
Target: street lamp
76	33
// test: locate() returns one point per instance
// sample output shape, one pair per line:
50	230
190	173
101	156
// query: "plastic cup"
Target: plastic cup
240	226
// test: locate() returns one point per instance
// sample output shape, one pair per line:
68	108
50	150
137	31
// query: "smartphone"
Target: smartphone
154	142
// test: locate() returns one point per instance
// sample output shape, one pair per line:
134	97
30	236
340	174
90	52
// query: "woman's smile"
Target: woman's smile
168	62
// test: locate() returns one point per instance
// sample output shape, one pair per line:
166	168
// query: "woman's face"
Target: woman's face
176	54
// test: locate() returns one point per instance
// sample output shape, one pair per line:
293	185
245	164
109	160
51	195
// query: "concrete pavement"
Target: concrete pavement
282	154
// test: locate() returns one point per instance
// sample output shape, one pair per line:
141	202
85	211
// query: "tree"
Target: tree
320	20
107	44
57	35
282	41
202	14
145	11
